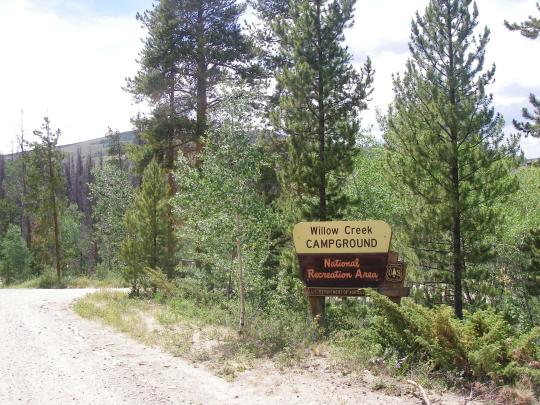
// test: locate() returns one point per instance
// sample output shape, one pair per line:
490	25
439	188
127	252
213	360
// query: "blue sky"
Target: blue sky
68	59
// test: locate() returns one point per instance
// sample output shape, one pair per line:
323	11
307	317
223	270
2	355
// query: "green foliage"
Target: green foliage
116	149
483	345
14	256
504	282
369	188
322	96
446	144
159	279
529	28
531	263
9	213
112	195
224	217
146	228
75	242
46	198
48	280
532	124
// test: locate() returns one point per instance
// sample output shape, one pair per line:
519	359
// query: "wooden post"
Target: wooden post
317	309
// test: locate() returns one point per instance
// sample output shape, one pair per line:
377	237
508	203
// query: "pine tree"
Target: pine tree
530	249
47	194
445	142
529	29
26	226
146	227
116	149
322	95
192	45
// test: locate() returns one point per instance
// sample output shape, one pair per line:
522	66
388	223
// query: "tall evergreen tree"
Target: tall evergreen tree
529	29
446	144
192	45
321	98
146	225
47	194
25	220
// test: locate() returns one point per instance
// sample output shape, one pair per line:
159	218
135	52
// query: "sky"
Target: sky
68	60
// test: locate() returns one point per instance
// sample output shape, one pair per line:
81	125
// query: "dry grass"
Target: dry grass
218	348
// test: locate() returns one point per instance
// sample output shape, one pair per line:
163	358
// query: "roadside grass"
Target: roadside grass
202	327
203	332
49	280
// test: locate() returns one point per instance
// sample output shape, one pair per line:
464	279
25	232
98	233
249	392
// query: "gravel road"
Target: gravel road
49	355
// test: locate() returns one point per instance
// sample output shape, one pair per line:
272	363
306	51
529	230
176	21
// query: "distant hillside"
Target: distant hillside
96	147
92	148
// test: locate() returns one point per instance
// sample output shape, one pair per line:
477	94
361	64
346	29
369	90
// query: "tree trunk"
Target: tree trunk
458	265
318	303
240	276
54	202
454	172
170	154
202	102
26	220
321	132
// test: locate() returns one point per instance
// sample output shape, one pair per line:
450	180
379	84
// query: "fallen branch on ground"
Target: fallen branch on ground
425	399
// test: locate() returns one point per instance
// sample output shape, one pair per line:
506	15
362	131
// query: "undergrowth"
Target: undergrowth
203	328
428	345
483	347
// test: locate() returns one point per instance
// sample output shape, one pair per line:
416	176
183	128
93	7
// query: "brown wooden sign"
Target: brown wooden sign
342	258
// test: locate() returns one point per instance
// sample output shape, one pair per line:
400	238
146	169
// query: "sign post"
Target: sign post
343	258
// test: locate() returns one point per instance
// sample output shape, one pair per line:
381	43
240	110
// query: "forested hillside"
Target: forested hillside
254	129
77	165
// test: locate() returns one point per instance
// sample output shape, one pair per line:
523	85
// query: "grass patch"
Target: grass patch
49	280
116	310
202	327
203	332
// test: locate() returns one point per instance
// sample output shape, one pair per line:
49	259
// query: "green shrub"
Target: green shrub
48	280
482	346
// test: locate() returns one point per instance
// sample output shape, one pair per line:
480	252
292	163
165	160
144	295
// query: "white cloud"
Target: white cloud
71	65
71	69
382	30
